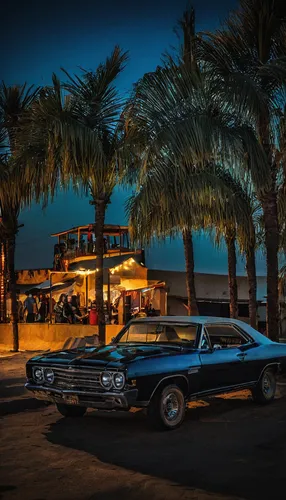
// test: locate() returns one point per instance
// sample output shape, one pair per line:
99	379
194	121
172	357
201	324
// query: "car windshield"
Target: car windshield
147	332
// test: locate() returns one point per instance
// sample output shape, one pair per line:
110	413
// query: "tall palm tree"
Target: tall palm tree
187	234
164	204
179	114
248	57
226	229
82	144
15	188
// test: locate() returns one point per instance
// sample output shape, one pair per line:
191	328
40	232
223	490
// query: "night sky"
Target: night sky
38	38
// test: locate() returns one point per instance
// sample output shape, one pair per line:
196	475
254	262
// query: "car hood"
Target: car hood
110	356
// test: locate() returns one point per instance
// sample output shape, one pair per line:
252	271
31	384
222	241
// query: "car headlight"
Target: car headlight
38	374
106	380
119	380
49	375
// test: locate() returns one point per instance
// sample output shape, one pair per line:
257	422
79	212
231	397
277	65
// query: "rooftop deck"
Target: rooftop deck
78	244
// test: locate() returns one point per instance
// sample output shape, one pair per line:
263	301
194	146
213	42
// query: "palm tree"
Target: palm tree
235	224
187	234
178	113
164	205
248	243
248	58
75	139
226	229
3	268
15	188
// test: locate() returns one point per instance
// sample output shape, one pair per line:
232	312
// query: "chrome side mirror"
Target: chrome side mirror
217	346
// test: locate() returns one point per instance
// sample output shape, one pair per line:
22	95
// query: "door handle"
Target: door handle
241	355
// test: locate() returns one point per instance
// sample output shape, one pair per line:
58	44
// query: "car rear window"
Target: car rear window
225	336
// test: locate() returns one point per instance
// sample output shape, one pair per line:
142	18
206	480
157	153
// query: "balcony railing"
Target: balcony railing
62	261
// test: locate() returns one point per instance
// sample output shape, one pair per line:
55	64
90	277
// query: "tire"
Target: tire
166	410
71	411
265	390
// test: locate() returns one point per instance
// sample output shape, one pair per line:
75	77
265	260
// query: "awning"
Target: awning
151	286
45	286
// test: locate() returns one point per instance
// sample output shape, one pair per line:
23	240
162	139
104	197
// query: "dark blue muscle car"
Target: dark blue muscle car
160	363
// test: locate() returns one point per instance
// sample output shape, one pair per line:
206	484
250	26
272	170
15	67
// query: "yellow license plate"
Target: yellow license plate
71	400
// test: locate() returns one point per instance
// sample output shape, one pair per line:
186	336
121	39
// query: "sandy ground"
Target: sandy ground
228	448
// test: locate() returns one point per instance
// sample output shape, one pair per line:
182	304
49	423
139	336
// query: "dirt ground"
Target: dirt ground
228	448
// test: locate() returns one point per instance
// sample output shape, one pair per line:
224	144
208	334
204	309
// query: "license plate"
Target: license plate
71	400
42	395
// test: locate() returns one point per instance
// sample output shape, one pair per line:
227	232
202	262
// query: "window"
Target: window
225	336
156	332
140	332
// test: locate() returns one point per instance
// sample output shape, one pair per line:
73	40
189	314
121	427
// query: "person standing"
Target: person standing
30	306
20	310
43	308
93	314
63	311
77	317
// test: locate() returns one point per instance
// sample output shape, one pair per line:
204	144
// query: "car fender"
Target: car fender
276	364
172	378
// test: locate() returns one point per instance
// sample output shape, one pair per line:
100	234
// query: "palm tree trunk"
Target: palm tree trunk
269	205
232	281
190	274
252	284
3	283
11	243
100	207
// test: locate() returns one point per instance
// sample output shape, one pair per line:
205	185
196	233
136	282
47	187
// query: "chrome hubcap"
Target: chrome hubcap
266	386
171	406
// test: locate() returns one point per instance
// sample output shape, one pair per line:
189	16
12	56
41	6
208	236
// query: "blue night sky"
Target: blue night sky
37	38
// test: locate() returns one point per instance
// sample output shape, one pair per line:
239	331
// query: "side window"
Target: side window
225	336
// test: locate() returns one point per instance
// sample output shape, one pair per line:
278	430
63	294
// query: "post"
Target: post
86	290
108	294
51	301
124	307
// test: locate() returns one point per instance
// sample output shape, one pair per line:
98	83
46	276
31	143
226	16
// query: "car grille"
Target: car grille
77	378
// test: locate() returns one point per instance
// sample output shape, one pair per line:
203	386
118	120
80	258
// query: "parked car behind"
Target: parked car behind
160	363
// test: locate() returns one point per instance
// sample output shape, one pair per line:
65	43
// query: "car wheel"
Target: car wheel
166	410
71	411
265	390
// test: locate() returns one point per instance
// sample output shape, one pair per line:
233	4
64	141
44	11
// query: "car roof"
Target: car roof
192	319
202	320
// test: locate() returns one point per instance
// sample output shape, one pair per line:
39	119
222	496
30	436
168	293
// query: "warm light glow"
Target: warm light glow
86	272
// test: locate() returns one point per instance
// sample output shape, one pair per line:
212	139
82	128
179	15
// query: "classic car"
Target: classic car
160	364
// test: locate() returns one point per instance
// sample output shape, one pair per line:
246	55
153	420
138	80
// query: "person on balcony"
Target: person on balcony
89	239
82	245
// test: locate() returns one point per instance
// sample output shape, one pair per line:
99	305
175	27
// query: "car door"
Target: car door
223	355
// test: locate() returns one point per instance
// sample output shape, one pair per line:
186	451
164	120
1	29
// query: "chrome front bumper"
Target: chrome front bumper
100	400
